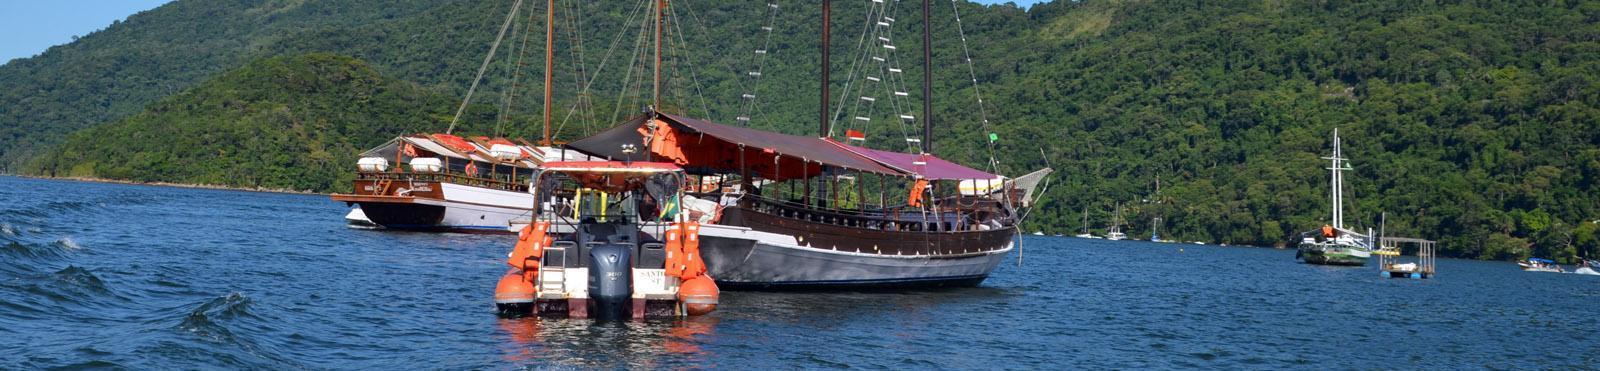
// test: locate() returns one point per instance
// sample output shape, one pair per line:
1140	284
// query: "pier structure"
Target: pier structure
1392	264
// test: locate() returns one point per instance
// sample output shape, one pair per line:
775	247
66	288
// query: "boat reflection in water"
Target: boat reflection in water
573	342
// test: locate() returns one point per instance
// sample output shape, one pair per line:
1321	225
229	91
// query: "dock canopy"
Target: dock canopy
705	147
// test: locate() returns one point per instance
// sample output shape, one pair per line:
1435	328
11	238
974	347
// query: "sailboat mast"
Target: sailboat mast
1336	180
655	96
825	125
927	80
549	64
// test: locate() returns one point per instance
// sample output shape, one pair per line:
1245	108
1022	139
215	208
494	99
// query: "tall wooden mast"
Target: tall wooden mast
656	94
549	64
824	128
927	80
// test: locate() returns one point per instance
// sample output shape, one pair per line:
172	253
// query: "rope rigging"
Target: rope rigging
878	65
747	99
983	112
510	16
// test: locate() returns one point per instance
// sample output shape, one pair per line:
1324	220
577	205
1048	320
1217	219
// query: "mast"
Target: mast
549	63
824	125
927	81
655	99
1336	178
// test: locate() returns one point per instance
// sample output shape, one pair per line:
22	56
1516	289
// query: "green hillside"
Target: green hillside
287	123
115	72
1476	123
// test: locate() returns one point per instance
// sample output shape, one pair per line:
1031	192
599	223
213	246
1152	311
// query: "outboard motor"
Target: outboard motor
611	281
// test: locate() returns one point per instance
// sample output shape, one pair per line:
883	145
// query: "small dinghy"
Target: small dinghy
358	220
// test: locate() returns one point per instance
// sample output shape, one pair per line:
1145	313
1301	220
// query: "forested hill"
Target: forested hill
1477	124
292	122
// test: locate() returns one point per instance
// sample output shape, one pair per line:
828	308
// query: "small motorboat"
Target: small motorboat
1588	268
1540	265
610	241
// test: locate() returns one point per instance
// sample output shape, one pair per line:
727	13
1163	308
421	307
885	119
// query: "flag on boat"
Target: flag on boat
853	134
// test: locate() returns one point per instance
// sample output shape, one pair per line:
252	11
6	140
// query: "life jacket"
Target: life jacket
917	190
529	249
1327	231
683	251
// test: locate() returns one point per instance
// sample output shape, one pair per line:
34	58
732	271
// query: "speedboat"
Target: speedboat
1540	265
610	241
1588	268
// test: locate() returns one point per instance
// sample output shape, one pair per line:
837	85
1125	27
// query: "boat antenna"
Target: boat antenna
927	80
549	64
486	59
827	6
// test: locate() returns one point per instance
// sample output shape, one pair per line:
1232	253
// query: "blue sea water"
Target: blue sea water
104	275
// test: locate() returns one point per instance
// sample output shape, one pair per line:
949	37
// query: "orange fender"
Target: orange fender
514	288
699	295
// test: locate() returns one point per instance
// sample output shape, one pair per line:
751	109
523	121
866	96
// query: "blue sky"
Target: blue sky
28	27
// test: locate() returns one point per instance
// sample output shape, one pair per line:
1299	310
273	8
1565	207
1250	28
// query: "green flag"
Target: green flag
993	137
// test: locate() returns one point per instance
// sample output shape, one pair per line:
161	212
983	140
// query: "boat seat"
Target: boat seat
650	256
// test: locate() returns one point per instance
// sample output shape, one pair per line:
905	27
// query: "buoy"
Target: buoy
698	295
513	296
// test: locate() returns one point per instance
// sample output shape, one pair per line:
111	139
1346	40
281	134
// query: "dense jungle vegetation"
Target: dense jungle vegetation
1476	123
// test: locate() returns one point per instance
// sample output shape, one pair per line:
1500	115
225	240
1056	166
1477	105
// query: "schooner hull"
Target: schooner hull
761	256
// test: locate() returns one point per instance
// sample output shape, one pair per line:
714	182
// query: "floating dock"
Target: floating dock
1392	264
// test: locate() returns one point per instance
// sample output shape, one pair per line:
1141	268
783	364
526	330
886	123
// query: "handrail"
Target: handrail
445	177
888	220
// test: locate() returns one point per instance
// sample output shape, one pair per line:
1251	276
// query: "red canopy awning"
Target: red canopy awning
706	146
925	166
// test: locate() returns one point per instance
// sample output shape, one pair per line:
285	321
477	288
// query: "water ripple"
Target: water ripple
162	278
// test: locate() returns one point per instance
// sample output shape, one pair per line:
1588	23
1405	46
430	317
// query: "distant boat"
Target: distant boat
1038	233
1334	244
1588	268
1115	232
1540	265
1085	233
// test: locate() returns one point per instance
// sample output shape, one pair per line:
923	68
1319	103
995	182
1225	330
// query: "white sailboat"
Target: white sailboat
1115	232
1335	244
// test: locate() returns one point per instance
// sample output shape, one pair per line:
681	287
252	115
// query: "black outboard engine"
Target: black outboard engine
611	281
